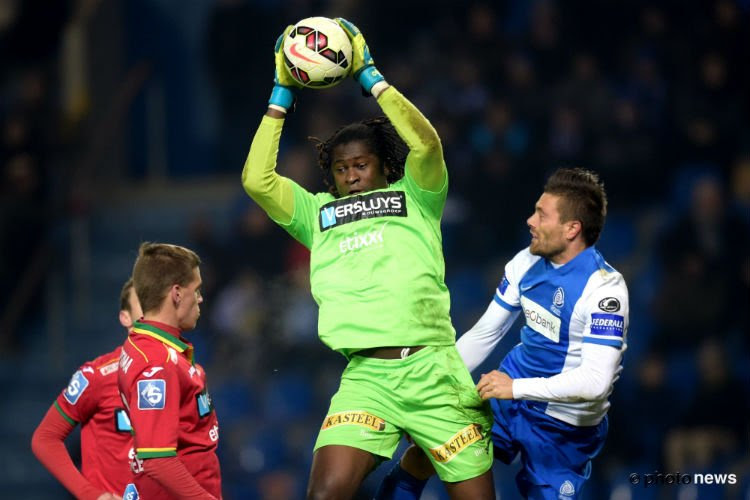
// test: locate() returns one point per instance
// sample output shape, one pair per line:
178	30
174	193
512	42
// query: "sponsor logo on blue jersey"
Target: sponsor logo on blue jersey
76	386
541	320
152	394
503	285
609	304
607	324
360	207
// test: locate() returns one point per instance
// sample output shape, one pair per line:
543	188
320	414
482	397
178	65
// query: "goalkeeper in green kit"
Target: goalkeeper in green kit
377	274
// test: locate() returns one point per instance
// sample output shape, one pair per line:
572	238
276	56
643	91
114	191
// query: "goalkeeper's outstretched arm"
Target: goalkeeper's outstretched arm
271	191
425	161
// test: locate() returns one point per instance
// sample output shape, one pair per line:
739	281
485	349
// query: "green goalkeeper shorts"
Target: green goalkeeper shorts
429	395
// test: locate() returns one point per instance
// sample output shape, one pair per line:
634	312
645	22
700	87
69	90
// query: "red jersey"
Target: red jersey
93	400
169	406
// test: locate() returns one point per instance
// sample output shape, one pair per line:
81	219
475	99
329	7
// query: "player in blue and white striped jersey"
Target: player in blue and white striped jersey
549	395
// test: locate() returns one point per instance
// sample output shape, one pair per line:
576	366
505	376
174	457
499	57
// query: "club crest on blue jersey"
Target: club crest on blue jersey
558	300
152	394
78	383
567	489
612	325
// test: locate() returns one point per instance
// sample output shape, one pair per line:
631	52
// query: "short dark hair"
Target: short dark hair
125	296
157	268
582	198
380	137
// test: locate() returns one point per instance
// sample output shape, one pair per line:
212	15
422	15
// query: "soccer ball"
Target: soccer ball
317	52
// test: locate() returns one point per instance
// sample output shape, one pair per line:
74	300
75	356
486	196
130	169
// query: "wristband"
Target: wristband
368	77
277	108
378	88
282	97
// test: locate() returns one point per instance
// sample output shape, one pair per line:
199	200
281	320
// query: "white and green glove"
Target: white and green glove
363	67
283	93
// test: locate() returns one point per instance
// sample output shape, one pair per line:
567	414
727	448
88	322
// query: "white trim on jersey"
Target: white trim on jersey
578	394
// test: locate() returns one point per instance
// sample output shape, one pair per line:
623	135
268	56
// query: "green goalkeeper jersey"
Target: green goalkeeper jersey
376	265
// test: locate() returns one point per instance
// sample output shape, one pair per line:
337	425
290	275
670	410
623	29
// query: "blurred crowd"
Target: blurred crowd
652	96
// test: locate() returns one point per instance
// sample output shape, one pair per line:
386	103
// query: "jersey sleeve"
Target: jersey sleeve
303	222
154	406
508	293
259	177
606	312
432	202
592	380
79	401
425	161
475	345
48	445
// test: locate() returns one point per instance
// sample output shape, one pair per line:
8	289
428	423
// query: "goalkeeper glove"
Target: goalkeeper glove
282	96
363	67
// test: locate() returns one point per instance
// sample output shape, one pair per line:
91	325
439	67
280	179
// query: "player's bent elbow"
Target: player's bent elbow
597	391
246	180
252	183
430	149
37	444
432	144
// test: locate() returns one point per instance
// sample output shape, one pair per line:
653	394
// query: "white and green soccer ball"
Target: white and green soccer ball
317	52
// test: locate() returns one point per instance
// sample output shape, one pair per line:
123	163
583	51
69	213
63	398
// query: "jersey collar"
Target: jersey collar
164	333
573	263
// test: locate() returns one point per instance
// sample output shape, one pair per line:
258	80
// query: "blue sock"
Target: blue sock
400	485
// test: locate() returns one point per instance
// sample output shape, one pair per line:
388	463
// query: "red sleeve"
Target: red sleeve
175	478
80	400
48	445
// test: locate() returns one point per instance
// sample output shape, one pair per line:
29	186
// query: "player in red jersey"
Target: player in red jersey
93	400
174	424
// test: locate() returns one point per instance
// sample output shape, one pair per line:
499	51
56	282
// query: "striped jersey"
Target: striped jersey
584	300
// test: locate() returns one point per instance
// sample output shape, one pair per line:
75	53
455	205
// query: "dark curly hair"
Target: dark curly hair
583	198
379	136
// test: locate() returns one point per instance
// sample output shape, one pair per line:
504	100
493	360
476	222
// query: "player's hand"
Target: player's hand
284	85
281	75
363	67
495	385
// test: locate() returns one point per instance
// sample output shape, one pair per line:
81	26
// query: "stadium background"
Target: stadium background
129	121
